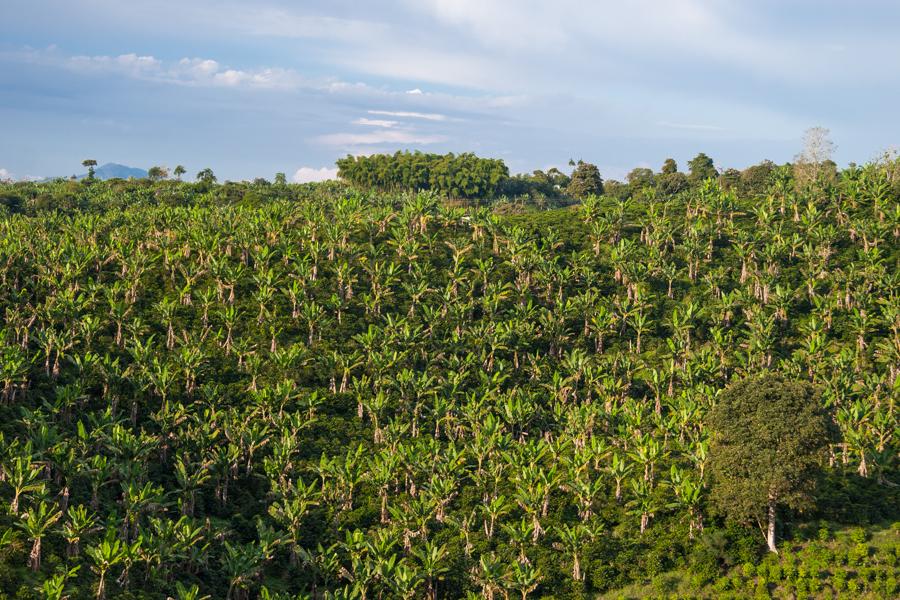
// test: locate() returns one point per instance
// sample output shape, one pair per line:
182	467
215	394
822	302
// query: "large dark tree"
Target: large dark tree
90	163
669	184
585	181
769	438
756	179
701	168
206	176
640	178
157	173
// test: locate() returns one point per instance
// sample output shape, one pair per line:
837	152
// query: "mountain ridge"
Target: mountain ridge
116	171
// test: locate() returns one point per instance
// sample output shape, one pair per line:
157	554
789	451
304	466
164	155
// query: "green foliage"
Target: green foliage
206	176
537	186
449	175
641	178
701	168
670	167
670	184
585	181
770	436
254	390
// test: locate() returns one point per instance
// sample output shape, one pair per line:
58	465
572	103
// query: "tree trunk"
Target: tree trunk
34	560
770	532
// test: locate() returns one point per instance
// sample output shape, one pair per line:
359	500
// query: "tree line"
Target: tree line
452	175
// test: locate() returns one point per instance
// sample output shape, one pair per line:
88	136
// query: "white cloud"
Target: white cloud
375	122
5	175
187	71
309	174
409	114
386	136
535	44
415	92
126	64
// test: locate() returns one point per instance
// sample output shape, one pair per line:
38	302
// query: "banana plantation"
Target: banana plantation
306	391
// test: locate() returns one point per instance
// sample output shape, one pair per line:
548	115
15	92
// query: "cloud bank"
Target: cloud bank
310	174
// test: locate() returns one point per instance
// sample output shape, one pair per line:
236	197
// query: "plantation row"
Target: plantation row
294	392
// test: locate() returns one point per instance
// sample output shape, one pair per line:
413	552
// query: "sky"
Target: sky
255	87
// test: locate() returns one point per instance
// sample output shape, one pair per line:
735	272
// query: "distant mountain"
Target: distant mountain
116	171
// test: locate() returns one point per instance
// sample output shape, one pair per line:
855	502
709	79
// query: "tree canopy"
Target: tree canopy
769	439
701	168
585	181
450	175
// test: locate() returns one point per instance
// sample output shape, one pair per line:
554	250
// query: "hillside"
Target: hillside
859	562
315	391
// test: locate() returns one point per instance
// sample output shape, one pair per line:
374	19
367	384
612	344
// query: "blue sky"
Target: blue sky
254	87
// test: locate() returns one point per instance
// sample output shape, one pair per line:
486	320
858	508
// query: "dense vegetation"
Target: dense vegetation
279	391
458	176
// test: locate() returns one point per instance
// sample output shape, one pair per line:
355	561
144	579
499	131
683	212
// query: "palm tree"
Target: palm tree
77	525
620	469
525	578
191	477
23	477
494	509
489	575
290	511
35	523
643	504
104	557
687	497
242	563
54	587
572	539
431	556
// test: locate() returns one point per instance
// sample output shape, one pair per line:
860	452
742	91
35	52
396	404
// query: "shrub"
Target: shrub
722	584
698	580
839	580
857	554
762	591
664	584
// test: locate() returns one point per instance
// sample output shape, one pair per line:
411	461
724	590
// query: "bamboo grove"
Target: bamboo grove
312	392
